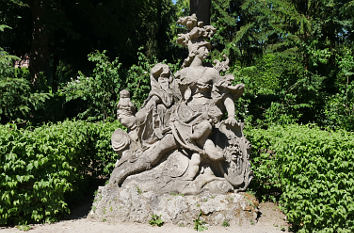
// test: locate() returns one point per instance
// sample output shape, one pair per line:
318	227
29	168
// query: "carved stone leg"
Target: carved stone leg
160	149
201	132
193	167
149	158
212	151
123	171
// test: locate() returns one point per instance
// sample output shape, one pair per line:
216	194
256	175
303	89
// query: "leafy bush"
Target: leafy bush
17	99
339	109
40	167
103	159
138	79
279	91
311	172
99	91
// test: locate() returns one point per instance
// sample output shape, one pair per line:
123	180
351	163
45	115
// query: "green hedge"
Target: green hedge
311	170
40	167
308	169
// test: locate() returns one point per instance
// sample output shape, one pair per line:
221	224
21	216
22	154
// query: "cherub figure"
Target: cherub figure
126	110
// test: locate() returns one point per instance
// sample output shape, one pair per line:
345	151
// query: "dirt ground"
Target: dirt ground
271	220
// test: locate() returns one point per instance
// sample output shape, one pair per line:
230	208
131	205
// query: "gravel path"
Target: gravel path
270	221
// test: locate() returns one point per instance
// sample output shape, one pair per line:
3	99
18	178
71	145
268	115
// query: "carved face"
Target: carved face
163	81
124	94
202	52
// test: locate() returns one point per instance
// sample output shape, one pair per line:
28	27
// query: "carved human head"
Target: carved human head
202	52
160	70
162	74
200	49
124	94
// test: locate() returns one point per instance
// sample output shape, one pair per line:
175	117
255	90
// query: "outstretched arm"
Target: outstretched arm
230	108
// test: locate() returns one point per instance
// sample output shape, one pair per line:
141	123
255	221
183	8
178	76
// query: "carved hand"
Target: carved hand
231	121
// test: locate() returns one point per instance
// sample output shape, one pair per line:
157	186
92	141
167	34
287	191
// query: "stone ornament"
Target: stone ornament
185	138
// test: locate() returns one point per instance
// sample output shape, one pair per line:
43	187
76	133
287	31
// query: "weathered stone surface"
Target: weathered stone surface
133	204
187	123
184	139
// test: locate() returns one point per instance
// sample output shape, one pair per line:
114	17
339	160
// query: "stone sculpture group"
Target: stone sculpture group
185	138
184	155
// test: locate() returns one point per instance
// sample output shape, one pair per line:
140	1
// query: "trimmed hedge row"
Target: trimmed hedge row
308	169
311	170
40	167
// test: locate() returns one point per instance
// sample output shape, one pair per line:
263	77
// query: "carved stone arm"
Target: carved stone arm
152	102
230	108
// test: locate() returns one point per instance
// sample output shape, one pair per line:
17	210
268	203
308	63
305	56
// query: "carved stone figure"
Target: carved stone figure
126	110
185	137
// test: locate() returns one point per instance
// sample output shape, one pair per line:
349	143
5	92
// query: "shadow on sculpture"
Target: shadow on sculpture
185	137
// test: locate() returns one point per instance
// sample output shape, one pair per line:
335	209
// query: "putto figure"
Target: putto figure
126	110
185	137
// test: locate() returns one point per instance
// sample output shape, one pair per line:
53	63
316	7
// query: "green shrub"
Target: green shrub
311	172
339	109
17	99
138	78
39	167
104	157
99	91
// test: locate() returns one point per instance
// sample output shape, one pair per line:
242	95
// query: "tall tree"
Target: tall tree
286	49
68	31
202	9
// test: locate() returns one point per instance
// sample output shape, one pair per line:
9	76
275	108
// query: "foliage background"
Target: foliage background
42	169
296	59
309	171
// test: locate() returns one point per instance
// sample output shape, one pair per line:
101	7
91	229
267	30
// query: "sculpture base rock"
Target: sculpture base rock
131	204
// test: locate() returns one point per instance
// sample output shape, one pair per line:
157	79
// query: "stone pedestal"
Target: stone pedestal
132	204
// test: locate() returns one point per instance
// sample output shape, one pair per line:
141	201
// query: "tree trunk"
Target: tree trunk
39	55
202	9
